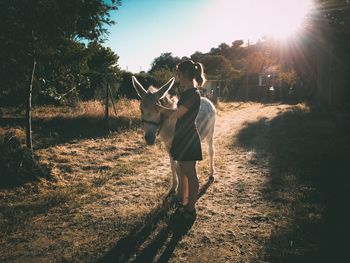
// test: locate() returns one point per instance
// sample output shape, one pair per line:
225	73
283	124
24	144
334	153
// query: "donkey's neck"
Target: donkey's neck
167	132
168	126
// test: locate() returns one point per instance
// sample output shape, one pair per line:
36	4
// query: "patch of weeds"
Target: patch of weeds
17	164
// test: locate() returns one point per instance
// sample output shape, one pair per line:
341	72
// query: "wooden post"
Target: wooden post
28	119
106	108
246	75
110	94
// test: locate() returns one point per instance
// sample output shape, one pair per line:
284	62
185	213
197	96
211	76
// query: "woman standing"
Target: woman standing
186	145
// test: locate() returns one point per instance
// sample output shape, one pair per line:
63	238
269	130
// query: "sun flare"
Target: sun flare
253	19
284	18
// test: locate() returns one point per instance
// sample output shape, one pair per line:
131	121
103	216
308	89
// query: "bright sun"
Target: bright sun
284	18
253	19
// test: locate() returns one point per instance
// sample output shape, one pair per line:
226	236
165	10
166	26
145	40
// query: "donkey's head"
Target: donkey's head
151	117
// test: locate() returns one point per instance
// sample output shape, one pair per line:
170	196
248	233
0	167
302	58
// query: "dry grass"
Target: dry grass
259	209
59	124
94	108
103	188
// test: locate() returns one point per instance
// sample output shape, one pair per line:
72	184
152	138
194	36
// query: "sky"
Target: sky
145	29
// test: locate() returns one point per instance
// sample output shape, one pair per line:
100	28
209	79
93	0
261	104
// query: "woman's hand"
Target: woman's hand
172	113
165	110
159	107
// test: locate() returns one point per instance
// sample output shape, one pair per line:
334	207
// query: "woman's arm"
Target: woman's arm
173	113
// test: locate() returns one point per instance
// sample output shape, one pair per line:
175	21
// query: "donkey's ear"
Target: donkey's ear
165	88
138	87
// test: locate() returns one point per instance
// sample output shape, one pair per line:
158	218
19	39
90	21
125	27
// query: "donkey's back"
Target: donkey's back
205	121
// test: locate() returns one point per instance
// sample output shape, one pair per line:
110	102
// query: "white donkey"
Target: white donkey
155	123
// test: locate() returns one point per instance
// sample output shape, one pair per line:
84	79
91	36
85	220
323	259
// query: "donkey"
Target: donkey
155	123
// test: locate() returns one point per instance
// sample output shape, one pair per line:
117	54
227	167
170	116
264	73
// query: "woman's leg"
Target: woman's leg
185	190
182	193
188	170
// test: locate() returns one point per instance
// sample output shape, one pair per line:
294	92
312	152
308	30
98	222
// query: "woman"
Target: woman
186	145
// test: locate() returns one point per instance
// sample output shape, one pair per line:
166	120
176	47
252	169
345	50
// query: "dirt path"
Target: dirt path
106	187
232	219
232	216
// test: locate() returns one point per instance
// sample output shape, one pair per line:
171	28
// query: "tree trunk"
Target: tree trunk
28	119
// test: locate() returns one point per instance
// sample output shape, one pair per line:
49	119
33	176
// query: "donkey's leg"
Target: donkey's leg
173	166
210	140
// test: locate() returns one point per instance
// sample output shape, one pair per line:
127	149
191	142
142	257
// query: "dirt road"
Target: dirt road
233	219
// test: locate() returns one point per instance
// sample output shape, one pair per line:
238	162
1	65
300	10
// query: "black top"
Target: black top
186	145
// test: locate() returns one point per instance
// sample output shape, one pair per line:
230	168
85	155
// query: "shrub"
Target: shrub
17	164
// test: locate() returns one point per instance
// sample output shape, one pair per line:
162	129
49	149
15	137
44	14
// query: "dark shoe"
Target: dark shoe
177	203
189	215
184	214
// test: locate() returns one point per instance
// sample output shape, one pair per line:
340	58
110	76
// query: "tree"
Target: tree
237	43
322	57
103	67
31	28
218	67
165	61
61	73
196	56
162	76
126	88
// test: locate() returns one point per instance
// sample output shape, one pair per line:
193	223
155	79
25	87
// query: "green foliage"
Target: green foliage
289	77
161	76
165	61
52	32
256	62
60	72
103	67
337	14
196	56
126	88
218	67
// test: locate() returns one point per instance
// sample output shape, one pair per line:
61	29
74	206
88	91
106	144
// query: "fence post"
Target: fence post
28	113
110	94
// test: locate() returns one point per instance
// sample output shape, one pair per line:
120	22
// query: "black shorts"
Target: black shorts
186	146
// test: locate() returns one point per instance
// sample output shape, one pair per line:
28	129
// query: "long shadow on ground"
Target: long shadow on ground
58	130
158	235
306	155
